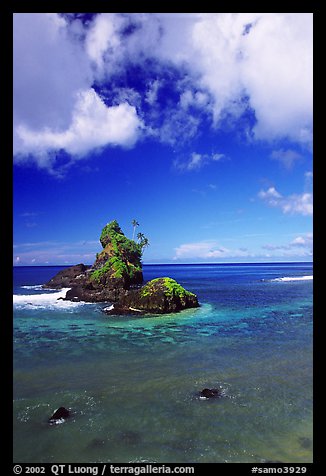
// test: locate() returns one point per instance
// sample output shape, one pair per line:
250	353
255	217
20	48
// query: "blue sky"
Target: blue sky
197	125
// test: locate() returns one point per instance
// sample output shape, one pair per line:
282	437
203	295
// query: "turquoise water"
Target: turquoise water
132	382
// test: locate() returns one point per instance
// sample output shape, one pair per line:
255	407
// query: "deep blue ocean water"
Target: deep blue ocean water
133	382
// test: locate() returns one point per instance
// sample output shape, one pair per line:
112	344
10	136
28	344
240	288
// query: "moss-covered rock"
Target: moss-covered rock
117	267
161	295
119	260
116	276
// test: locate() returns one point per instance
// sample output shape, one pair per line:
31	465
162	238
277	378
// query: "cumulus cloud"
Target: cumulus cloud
301	204
277	72
103	42
49	67
266	57
55	107
93	125
223	64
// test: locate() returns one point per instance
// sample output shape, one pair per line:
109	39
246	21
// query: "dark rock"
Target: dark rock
211	393
103	294
116	268
116	277
59	415
73	275
159	296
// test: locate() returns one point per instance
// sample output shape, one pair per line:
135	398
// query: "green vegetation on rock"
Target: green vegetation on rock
120	257
110	230
159	296
168	285
116	276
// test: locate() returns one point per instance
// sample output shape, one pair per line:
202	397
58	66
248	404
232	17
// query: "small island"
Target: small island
117	277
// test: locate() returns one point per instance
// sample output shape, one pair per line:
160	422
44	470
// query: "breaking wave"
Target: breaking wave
52	300
294	278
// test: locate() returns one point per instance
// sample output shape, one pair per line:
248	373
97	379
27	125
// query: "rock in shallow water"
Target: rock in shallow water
74	275
59	416
210	393
159	296
116	276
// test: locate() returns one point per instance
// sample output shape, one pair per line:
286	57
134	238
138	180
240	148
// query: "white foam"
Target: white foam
57	422
294	278
44	300
109	308
36	287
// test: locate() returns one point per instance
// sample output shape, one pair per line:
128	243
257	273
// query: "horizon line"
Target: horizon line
170	264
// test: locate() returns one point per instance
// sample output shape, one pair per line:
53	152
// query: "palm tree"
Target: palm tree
134	224
140	236
144	242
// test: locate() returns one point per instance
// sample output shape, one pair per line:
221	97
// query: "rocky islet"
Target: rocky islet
117	277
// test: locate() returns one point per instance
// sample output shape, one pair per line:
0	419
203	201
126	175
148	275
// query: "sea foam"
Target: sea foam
45	300
35	287
294	278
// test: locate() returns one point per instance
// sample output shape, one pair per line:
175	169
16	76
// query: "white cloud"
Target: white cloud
49	67
300	246
55	107
197	161
207	250
277	73
210	250
197	99
217	157
103	41
93	125
225	56
55	252
220	57
151	93
301	204
271	64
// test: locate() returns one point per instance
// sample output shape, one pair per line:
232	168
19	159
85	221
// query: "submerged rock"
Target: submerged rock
59	416
161	295
210	393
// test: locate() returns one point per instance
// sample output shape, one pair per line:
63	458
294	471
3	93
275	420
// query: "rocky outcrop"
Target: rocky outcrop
210	393
59	416
161	295
72	276
116	277
116	269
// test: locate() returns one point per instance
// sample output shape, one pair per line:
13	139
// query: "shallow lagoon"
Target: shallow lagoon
132	382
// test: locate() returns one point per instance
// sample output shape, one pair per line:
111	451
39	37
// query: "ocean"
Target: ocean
132	383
